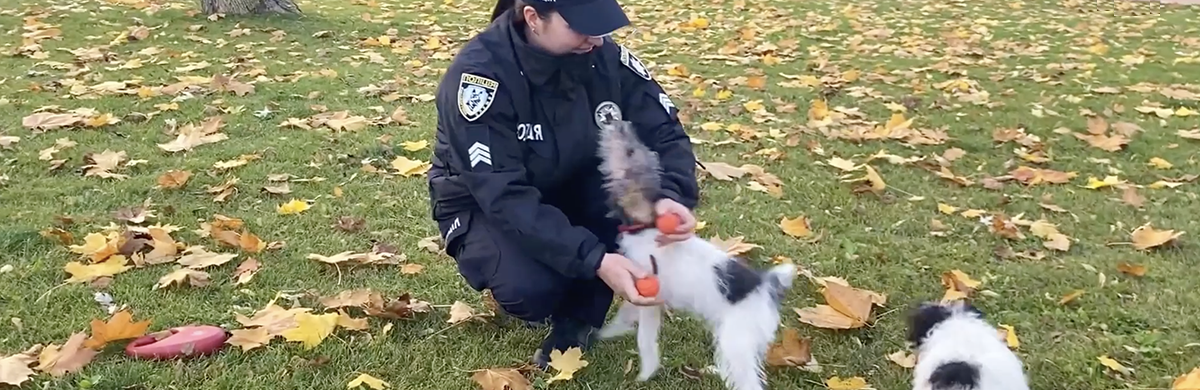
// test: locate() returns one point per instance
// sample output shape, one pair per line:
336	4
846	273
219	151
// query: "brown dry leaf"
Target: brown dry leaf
14	370
1189	381
119	327
249	339
903	359
1132	269
1033	176
102	164
195	278
798	227
501	379
1004	227
460	312
191	136
1071	297
197	257
851	302
1110	143
734	246
348	298
1131	197
346	321
723	171
245	271
72	356
48	121
958	285
401	307
360	258
790	350
411	268
1146	237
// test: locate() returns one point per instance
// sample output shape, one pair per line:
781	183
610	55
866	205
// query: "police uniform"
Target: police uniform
514	184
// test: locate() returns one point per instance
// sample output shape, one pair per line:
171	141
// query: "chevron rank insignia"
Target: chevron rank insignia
475	95
633	63
480	156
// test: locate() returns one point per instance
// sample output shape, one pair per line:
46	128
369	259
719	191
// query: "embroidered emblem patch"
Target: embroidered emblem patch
475	95
633	63
666	102
606	112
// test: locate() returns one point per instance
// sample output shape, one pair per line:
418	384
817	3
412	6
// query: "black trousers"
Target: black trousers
524	287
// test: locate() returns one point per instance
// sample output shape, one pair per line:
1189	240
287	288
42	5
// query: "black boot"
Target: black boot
564	334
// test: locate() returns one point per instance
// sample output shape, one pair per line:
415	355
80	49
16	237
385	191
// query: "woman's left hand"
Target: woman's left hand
687	221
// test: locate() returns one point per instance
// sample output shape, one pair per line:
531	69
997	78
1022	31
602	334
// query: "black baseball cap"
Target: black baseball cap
595	18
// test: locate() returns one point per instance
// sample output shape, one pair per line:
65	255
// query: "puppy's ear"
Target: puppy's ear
922	319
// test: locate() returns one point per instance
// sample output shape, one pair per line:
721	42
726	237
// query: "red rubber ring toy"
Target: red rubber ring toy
184	341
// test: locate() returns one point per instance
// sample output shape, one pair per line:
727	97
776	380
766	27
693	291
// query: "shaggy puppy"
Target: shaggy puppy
958	350
739	304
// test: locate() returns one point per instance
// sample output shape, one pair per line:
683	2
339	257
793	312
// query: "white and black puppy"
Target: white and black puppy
958	350
740	304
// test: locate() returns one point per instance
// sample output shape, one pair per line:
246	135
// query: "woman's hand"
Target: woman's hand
619	273
687	221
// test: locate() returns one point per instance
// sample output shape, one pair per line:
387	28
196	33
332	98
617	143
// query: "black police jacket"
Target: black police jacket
517	138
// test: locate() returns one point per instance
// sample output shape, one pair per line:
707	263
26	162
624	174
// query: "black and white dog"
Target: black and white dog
740	304
958	350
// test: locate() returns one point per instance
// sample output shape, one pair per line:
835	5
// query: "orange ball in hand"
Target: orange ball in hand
668	223
647	286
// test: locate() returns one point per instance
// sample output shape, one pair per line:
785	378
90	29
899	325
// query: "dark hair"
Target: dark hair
503	6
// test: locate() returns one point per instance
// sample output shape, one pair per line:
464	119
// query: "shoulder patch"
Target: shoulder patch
475	95
633	63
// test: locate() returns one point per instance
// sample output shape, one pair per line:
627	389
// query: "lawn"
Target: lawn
1015	108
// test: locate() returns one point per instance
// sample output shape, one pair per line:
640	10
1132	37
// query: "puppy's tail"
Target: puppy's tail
954	376
631	171
779	280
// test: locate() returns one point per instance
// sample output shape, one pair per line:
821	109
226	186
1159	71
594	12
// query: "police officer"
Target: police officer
515	186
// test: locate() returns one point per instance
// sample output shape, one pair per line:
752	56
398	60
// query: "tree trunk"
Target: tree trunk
244	7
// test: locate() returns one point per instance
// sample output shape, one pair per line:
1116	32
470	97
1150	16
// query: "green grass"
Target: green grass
881	243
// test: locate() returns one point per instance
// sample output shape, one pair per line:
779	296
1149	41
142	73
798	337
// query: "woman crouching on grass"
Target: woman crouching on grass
515	186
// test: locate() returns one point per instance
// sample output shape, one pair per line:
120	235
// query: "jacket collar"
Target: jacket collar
542	68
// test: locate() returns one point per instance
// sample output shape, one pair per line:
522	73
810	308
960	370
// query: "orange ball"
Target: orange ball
647	286
668	223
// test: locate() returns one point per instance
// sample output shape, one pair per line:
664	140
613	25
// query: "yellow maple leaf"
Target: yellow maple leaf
370	381
1113	364
80	273
295	206
1160	163
406	167
1108	181
724	94
1146	237
119	327
311	329
947	209
566	363
855	383
413	146
1010	336
798	227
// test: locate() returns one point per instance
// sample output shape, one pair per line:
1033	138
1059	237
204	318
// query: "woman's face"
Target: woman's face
554	35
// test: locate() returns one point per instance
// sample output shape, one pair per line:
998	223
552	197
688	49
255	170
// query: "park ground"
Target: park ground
1017	142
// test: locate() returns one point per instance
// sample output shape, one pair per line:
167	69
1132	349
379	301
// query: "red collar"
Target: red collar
632	228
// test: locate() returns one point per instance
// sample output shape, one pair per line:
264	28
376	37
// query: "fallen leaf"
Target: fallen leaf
1010	336
1108	181
411	269
406	167
460	312
723	171
14	370
1146	237
195	278
72	356
80	273
119	327
197	257
798	227
1132	269
501	379
855	383
1189	381
370	381
734	246
351	323
903	359
1131	197
295	206
245	271
1159	163
273	318
249	339
311	329
191	136
790	350
1114	365
567	364
1071	297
